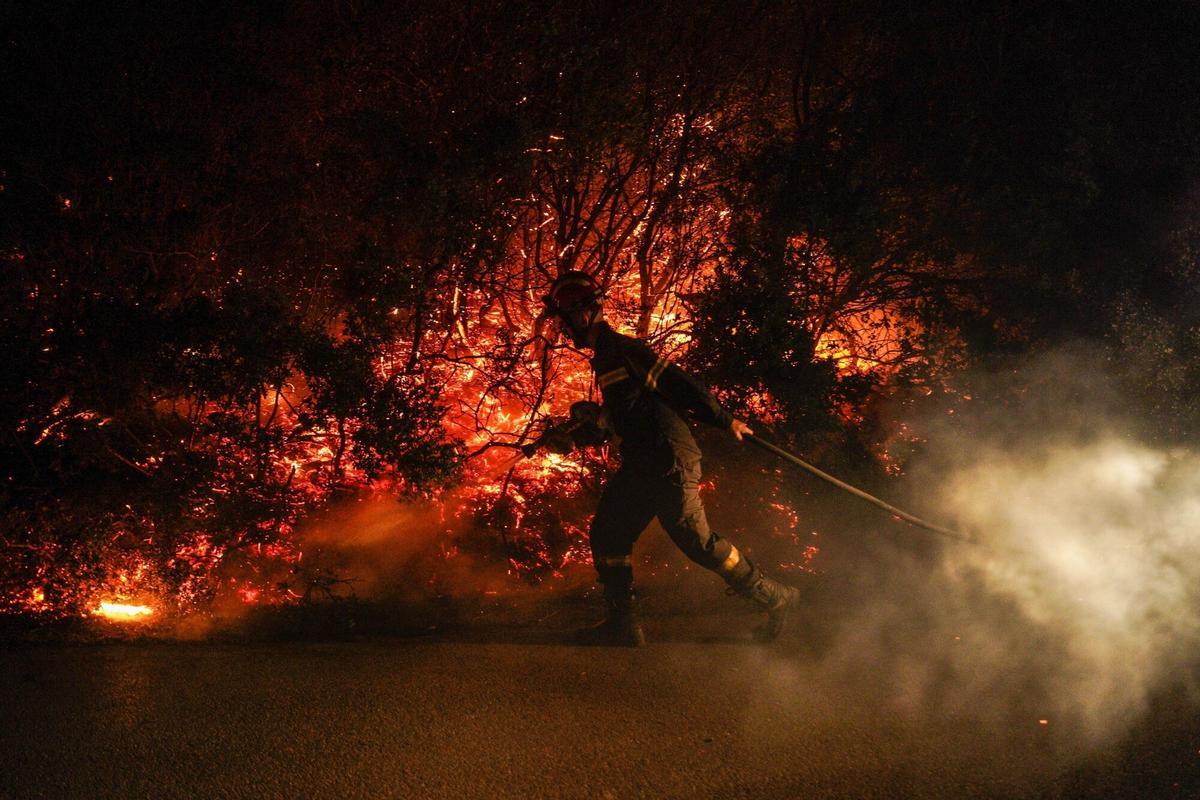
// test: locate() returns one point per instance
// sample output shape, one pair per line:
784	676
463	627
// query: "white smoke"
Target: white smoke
1098	545
1077	606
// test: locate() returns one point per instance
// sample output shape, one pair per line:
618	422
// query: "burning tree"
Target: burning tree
264	258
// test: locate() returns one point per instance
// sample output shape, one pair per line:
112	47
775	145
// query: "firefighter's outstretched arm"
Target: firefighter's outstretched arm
586	427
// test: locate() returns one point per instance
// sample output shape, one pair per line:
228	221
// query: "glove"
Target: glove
592	428
559	439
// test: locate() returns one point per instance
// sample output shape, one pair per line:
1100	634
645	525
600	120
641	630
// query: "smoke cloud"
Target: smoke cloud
1095	544
1079	601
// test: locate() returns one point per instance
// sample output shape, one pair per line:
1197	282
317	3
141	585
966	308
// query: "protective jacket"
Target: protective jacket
648	399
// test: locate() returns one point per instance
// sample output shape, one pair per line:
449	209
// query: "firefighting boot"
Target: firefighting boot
620	626
777	599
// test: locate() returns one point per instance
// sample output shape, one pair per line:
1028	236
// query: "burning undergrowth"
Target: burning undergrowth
178	504
204	363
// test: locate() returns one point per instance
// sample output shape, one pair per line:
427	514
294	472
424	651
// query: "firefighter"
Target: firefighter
646	401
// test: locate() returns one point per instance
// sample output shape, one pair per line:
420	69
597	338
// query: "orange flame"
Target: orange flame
122	612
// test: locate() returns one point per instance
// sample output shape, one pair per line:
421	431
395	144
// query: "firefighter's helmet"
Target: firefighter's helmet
572	291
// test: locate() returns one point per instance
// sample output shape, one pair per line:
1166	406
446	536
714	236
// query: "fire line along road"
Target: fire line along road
504	712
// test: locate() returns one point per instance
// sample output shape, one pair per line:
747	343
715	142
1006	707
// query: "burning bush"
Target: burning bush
260	258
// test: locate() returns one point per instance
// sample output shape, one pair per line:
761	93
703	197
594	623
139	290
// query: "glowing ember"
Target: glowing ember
122	612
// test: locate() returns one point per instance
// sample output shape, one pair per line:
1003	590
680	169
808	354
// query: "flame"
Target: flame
122	612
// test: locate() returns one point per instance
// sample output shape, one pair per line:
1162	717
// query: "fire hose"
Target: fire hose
586	413
791	458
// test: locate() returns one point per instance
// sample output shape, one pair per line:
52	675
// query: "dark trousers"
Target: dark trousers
635	495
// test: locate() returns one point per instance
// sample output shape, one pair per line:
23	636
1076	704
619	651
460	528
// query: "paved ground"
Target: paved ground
500	712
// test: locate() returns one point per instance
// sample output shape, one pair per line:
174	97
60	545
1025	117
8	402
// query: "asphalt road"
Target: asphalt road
502	712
